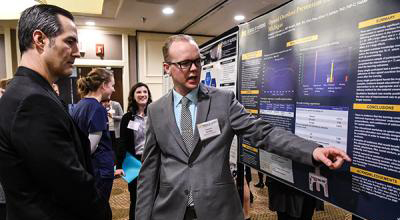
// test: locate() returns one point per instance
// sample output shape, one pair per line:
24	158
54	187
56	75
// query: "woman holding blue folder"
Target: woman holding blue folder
132	135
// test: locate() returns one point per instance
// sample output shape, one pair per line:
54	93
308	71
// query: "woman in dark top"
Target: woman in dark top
132	135
91	118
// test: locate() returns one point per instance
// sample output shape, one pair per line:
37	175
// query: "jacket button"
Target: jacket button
186	192
190	165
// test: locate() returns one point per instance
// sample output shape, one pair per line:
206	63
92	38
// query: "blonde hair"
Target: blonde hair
93	80
172	39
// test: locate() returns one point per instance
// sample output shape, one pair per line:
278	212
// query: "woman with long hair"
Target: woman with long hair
132	135
91	118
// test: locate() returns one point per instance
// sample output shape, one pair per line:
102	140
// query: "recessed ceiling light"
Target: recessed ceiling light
168	10
90	23
239	17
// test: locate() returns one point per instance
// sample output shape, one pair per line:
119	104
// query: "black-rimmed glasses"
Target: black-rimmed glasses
187	64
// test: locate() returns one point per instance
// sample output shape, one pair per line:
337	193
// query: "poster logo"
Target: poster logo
253	30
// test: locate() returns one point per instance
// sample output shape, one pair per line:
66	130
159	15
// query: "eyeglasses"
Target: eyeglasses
187	64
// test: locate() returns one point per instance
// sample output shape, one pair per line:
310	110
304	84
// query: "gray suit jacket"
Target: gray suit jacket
169	171
117	116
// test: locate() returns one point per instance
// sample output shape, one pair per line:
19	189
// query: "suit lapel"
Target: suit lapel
172	123
203	107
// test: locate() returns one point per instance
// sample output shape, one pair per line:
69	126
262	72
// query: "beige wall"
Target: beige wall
122	49
112	45
150	59
11	48
132	60
116	50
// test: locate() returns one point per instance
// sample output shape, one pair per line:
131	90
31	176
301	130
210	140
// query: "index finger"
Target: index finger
345	156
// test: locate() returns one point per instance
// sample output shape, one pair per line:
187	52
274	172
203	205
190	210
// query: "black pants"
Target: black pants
132	187
105	186
261	178
2	211
115	145
248	174
306	213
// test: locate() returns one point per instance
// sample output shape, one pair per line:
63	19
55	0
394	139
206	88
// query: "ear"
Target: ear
103	85
166	68
39	39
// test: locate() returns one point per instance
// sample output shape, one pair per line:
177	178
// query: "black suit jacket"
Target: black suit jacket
45	165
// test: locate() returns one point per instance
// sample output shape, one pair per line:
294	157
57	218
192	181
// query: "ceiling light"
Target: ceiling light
90	23
239	17
168	11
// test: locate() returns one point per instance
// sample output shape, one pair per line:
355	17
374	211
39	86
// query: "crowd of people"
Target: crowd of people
57	165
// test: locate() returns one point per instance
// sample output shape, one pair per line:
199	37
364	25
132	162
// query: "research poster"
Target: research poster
219	63
329	71
219	69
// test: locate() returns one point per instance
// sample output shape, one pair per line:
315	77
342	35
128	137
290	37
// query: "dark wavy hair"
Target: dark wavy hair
93	80
132	104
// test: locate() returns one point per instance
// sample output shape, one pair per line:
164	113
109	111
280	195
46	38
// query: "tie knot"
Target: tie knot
185	102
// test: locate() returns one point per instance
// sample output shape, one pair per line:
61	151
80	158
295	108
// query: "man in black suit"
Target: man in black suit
45	166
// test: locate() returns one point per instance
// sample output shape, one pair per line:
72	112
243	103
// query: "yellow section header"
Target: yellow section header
250	92
302	40
380	20
377	107
376	176
252	55
252	111
255	150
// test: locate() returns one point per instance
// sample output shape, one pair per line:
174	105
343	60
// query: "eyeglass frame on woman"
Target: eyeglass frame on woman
180	63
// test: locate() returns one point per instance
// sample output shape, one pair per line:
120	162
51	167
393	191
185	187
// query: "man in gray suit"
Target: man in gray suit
185	172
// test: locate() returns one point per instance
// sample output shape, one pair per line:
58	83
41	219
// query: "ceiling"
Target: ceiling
199	17
78	6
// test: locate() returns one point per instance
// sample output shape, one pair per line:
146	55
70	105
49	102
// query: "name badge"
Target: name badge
134	125
209	129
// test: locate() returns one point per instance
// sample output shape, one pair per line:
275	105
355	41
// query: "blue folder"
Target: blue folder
131	167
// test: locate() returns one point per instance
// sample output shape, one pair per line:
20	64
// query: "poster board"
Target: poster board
219	63
219	69
329	71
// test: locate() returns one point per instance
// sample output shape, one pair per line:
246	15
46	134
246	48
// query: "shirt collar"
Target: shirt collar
192	96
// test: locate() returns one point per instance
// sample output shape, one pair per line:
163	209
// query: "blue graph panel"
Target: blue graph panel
325	72
279	76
